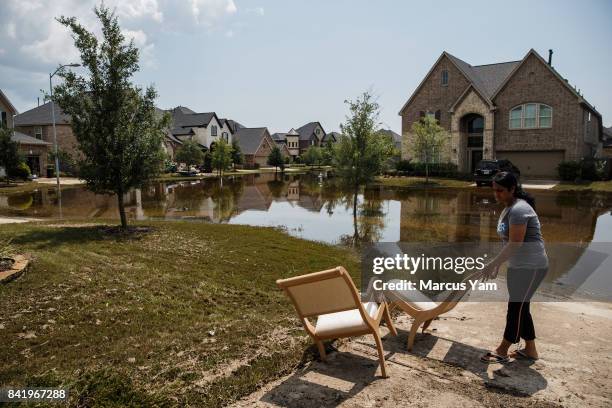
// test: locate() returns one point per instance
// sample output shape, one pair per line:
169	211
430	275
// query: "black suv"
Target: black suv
487	169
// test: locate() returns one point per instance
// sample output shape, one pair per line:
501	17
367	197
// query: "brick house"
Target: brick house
256	145
38	123
34	150
524	111
298	141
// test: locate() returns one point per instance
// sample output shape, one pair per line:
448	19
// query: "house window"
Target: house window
444	77
317	131
4	122
530	116
225	136
38	132
588	119
213	131
545	116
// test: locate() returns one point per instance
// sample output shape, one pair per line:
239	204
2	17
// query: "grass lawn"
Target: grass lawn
419	182
596	186
183	314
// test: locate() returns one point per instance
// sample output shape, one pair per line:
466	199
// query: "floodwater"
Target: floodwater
316	208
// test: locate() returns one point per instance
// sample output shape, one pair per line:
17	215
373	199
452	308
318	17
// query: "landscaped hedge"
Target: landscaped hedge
21	171
585	169
408	168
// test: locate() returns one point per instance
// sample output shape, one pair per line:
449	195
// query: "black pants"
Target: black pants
522	284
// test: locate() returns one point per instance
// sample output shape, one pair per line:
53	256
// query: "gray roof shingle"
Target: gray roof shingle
307	130
249	139
41	115
22	138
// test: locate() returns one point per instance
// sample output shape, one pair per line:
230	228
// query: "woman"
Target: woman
519	229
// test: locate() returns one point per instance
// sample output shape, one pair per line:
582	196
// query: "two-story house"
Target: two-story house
298	141
34	149
205	128
524	111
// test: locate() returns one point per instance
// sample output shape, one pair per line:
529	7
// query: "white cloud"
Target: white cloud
2	51
257	10
11	30
229	33
139	9
207	11
57	47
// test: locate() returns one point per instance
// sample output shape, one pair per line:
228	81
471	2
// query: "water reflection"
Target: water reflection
321	210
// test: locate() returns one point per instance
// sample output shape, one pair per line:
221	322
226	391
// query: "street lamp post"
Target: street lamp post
57	168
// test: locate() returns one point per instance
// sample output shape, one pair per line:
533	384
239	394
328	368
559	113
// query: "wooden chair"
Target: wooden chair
332	297
421	308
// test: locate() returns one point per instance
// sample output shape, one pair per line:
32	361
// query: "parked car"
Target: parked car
487	169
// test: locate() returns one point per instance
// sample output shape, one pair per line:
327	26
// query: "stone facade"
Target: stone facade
491	92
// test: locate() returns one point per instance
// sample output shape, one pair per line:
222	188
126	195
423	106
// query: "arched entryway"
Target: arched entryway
472	138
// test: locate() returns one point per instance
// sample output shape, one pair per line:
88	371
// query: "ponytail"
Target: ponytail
508	180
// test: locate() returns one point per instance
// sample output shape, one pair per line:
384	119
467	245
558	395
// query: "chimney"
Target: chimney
38	101
550	53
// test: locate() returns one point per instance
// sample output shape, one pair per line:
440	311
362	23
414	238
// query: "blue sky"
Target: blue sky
284	63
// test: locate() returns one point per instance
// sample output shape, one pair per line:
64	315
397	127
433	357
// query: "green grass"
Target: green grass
595	186
184	314
419	182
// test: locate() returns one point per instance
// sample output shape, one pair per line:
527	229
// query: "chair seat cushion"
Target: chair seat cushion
344	322
415	298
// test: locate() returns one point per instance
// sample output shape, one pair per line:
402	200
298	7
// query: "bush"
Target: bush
404	165
22	171
568	170
297	160
287	159
585	169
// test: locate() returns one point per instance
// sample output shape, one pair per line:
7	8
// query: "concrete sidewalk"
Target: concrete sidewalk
444	369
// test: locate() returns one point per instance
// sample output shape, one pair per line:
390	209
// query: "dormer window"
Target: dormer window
444	79
213	131
317	131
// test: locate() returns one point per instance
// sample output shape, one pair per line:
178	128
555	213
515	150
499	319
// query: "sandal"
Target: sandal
521	353
492	357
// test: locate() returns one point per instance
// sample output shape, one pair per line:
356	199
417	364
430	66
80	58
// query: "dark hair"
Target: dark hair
508	180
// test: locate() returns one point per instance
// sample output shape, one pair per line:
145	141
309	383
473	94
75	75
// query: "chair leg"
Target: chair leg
426	325
413	331
389	321
381	355
321	348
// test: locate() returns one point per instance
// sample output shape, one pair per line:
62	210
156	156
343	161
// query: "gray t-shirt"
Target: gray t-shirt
529	255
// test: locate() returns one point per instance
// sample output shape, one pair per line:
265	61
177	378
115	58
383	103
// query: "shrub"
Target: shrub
568	170
22	171
404	165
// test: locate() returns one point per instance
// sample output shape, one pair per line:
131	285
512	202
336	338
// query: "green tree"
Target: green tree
113	120
275	158
312	156
221	156
9	154
429	137
190	153
360	154
236	152
328	153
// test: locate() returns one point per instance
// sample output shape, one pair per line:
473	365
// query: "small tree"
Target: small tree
360	153
190	153
236	152
429	137
114	121
275	158
312	156
328	153
9	155
221	156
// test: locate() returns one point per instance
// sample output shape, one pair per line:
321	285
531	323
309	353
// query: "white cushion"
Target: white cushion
415	298
342	322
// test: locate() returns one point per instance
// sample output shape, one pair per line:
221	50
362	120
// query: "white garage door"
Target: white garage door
535	164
